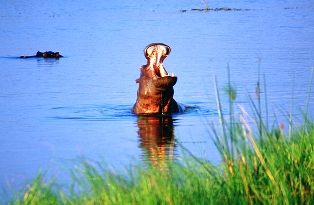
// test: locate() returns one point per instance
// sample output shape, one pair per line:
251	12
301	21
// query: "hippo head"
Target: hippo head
155	93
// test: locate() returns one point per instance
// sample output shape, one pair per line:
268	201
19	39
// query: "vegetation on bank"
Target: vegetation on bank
277	170
265	166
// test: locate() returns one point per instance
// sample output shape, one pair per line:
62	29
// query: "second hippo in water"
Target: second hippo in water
47	54
155	92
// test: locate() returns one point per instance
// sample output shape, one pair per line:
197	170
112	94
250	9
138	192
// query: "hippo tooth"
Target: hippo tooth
172	74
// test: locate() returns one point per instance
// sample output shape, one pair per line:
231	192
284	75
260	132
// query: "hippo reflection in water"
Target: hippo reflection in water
155	92
156	137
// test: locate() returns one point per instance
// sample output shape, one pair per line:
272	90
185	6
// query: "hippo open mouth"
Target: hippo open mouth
155	93
155	53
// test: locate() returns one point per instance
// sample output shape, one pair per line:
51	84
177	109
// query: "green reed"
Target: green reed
257	168
309	92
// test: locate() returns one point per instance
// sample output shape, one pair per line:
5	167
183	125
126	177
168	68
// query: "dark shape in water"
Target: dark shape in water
155	92
47	54
219	9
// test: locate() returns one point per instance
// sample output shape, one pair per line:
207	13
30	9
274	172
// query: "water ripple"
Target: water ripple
92	112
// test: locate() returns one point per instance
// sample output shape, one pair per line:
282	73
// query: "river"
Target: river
53	111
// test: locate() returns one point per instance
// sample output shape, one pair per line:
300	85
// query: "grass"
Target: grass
267	167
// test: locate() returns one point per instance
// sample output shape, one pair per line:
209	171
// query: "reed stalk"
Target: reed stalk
258	96
266	102
231	112
291	108
309	92
222	142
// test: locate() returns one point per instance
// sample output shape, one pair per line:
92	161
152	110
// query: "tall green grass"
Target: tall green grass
267	167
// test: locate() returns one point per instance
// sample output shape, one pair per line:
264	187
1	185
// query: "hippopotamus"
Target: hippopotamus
155	91
47	54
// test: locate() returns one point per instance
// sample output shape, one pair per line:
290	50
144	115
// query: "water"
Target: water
52	111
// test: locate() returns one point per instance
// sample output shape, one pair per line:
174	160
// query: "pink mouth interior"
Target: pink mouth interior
157	56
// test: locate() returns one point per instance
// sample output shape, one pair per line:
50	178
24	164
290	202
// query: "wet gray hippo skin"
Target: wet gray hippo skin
155	92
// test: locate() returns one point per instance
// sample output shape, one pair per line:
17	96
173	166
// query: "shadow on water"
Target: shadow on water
156	137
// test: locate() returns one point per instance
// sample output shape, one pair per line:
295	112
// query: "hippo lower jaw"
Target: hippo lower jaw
164	83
